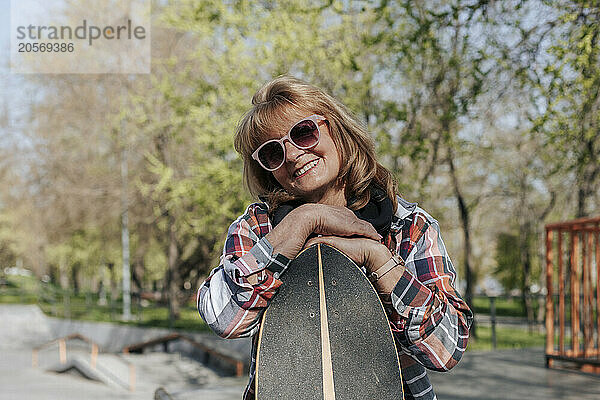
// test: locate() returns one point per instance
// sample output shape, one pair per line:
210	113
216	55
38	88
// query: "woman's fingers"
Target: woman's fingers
341	221
330	240
288	237
362	251
354	248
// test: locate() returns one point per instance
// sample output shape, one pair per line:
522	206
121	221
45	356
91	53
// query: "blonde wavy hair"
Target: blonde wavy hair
359	166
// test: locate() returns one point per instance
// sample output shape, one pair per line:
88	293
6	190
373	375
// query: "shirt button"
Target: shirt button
276	275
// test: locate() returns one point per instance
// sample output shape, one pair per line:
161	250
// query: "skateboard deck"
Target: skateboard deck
325	335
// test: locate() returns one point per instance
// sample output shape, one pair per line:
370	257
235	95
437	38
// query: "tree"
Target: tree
219	55
571	121
552	51
442	69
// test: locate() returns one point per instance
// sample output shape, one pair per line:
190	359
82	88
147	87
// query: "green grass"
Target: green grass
55	302
508	307
16	298
19	290
506	338
154	315
159	317
27	290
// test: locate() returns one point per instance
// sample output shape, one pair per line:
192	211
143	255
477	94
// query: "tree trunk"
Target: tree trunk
114	293
466	228
173	275
525	255
63	276
581	199
137	275
75	278
525	286
172	280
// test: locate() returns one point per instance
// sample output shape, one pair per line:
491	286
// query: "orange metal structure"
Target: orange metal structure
573	298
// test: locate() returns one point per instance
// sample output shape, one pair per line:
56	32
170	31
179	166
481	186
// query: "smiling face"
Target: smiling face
311	173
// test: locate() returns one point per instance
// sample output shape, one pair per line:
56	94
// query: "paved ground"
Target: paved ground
518	374
19	380
24	327
512	374
180	376
507	374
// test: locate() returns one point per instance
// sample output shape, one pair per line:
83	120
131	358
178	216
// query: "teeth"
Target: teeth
306	168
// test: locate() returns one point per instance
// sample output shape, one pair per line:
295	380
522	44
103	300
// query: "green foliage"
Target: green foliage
508	258
424	77
8	244
510	268
19	289
234	48
564	79
86	250
571	113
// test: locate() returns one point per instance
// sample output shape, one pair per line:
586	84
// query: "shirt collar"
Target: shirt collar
404	209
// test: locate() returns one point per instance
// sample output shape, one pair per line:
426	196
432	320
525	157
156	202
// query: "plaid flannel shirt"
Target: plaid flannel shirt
428	318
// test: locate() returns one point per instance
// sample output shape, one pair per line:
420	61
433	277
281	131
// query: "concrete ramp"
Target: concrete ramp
23	326
109	370
41	358
26	326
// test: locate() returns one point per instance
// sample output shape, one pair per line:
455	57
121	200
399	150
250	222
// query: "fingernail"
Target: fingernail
380	237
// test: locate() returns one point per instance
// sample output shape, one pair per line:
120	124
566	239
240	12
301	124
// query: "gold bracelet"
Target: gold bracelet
392	263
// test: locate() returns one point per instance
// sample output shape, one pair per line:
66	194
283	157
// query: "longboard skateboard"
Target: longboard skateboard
325	335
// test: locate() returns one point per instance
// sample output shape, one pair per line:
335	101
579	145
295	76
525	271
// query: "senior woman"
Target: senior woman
314	168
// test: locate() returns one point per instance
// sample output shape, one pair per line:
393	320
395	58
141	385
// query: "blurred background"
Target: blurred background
116	190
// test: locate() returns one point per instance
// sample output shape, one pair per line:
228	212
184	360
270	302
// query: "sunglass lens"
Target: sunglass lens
305	133
271	155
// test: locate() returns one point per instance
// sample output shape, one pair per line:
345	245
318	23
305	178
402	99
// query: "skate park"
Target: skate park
501	374
121	184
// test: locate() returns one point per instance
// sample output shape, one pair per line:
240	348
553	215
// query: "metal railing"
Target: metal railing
237	364
62	355
573	271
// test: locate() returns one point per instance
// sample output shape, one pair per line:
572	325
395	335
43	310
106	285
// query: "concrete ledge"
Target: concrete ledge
26	326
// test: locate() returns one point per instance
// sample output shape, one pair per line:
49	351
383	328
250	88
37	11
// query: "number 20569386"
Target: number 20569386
46	47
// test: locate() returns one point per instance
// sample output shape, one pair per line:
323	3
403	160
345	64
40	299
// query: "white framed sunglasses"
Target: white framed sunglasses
304	135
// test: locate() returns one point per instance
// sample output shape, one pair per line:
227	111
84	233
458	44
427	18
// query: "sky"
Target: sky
4	35
15	91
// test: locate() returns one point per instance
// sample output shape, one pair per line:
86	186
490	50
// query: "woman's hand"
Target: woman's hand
290	235
338	221
362	251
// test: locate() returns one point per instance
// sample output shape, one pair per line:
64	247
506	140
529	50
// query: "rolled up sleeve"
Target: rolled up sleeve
428	317
233	297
